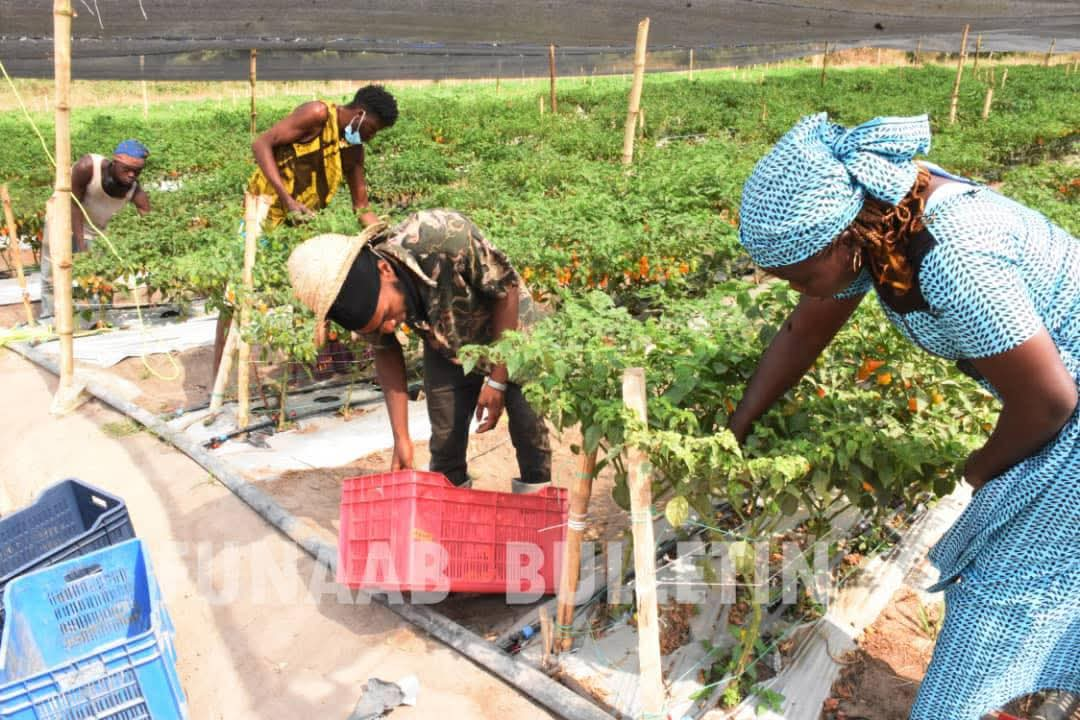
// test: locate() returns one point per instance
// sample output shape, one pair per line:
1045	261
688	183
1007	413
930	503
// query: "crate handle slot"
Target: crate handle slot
100	502
81	573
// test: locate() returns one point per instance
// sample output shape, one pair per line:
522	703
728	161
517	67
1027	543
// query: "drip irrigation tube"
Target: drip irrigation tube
525	678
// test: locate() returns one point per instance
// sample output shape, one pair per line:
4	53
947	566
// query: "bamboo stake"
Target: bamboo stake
651	692
59	214
1004	77
879	56
824	63
978	49
551	72
145	96
764	111
986	103
217	396
691	65
635	91
1050	52
955	99
580	492
16	253
547	636
253	211
251	80
541	104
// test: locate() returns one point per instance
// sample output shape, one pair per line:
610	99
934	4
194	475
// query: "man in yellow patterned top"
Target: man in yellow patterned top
303	156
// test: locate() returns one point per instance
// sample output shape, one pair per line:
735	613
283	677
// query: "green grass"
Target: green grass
121	428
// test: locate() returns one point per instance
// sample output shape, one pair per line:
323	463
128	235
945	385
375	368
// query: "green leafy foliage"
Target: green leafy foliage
878	437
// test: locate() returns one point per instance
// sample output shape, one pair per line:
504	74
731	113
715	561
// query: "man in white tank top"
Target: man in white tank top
103	186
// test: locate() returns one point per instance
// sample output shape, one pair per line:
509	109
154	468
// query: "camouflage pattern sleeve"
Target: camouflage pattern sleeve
487	268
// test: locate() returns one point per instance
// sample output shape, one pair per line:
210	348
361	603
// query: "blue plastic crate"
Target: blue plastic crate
69	519
90	639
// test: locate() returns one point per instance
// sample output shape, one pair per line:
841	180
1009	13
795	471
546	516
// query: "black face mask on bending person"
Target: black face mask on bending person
414	303
358	298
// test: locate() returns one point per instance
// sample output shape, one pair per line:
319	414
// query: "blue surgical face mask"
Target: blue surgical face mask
352	134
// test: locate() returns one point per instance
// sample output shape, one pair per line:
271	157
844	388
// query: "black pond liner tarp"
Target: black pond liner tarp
397	39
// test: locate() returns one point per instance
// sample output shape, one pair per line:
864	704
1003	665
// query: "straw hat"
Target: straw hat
318	268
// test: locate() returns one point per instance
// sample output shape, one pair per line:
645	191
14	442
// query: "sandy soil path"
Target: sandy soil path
256	638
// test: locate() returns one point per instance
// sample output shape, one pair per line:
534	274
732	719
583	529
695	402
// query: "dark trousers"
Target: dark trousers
451	403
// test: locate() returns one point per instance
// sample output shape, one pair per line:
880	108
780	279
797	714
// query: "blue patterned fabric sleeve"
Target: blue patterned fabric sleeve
979	298
859	286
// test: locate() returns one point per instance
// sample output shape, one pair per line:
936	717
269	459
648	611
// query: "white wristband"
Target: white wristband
501	387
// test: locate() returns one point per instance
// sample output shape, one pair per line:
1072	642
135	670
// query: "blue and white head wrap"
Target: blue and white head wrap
132	148
813	183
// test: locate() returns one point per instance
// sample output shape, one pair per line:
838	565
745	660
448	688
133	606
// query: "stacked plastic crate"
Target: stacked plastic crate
85	634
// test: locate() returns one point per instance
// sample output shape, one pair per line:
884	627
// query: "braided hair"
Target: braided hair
881	231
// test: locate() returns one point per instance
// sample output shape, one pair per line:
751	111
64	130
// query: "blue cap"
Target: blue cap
132	148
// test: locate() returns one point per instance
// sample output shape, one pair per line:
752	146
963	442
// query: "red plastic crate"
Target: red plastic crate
413	531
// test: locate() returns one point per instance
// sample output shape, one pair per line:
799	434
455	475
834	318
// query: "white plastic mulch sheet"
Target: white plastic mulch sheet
11	293
323	441
107	349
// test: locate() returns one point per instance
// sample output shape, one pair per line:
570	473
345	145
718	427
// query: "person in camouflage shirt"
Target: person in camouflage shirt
438	275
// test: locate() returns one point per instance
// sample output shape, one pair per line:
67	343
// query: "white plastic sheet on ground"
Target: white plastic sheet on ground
323	441
108	349
11	293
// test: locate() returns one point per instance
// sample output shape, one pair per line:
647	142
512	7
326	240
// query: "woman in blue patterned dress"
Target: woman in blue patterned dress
971	276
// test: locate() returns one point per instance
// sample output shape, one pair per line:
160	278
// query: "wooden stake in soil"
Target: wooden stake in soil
253	212
1004	77
1050	52
824	63
58	212
251	80
217	396
541	104
580	492
918	51
640	482
551	71
978	49
986	102
879	57
145	95
955	99
691	78
16	253
635	91
547	636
